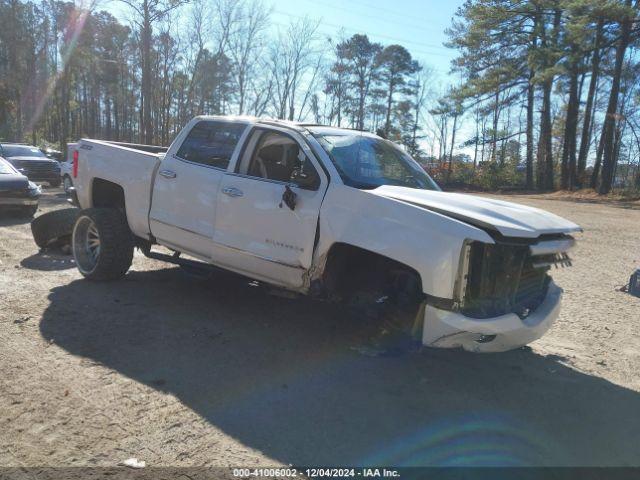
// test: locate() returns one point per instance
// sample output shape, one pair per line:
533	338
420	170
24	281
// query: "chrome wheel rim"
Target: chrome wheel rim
86	244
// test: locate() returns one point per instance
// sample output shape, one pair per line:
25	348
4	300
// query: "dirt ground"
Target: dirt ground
180	372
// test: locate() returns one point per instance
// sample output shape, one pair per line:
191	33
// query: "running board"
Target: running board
177	260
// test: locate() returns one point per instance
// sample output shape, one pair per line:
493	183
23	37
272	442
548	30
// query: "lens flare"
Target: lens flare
71	34
473	440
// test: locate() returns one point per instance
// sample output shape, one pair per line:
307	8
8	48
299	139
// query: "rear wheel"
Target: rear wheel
102	244
55	183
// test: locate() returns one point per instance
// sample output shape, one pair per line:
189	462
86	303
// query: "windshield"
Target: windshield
21	151
6	168
370	162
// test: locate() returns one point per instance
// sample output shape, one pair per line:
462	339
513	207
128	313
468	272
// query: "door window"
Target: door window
279	157
211	143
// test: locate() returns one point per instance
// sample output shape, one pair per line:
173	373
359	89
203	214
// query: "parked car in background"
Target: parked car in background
16	191
66	167
53	154
31	162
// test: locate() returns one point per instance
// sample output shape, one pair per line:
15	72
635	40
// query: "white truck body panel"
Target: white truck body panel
256	233
132	169
238	222
428	241
445	329
510	219
184	218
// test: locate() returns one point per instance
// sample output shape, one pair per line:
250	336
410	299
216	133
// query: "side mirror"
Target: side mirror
289	198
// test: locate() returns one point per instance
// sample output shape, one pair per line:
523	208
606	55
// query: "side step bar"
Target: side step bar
193	266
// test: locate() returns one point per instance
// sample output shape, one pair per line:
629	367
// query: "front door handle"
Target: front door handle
167	174
232	191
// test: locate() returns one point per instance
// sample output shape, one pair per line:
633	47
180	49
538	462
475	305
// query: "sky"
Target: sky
418	25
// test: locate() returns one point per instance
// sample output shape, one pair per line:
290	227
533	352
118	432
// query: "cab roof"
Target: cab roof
298	126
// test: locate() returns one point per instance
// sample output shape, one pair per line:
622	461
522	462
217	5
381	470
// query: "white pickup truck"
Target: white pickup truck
330	212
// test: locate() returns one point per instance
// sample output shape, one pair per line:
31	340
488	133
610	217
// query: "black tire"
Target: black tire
115	244
55	183
30	211
54	228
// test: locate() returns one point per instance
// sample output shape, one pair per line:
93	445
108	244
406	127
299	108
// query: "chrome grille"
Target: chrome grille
37	168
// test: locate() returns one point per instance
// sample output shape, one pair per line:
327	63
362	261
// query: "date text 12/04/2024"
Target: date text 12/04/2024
316	472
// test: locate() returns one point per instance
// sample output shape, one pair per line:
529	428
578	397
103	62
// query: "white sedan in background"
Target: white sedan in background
66	167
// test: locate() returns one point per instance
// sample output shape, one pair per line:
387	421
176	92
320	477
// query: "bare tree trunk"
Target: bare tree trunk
544	140
596	167
567	179
475	150
585	139
609	159
530	109
545	145
453	142
387	123
494	141
146	129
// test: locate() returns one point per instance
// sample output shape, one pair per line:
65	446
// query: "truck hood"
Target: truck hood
11	182
509	219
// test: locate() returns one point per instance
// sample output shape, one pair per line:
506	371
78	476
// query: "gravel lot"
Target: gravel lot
181	372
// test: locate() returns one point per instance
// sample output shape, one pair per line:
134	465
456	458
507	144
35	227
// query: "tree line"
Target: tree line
562	75
545	96
67	71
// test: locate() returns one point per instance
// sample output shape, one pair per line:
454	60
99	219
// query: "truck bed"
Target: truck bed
131	166
138	146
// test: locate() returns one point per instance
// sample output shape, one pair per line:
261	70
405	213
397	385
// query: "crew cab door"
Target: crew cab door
267	208
186	185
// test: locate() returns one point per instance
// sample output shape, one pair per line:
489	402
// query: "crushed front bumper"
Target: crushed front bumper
446	329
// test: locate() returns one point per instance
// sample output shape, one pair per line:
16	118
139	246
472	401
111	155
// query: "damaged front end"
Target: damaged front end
504	295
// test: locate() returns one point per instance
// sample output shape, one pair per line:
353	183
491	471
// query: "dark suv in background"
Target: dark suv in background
31	162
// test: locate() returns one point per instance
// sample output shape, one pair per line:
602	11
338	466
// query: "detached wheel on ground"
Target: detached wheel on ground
102	244
54	228
30	211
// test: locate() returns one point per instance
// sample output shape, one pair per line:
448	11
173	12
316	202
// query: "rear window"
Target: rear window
211	143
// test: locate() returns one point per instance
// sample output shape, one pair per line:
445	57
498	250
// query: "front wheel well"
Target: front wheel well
350	269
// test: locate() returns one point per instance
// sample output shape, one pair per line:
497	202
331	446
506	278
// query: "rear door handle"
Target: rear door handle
232	191
167	174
